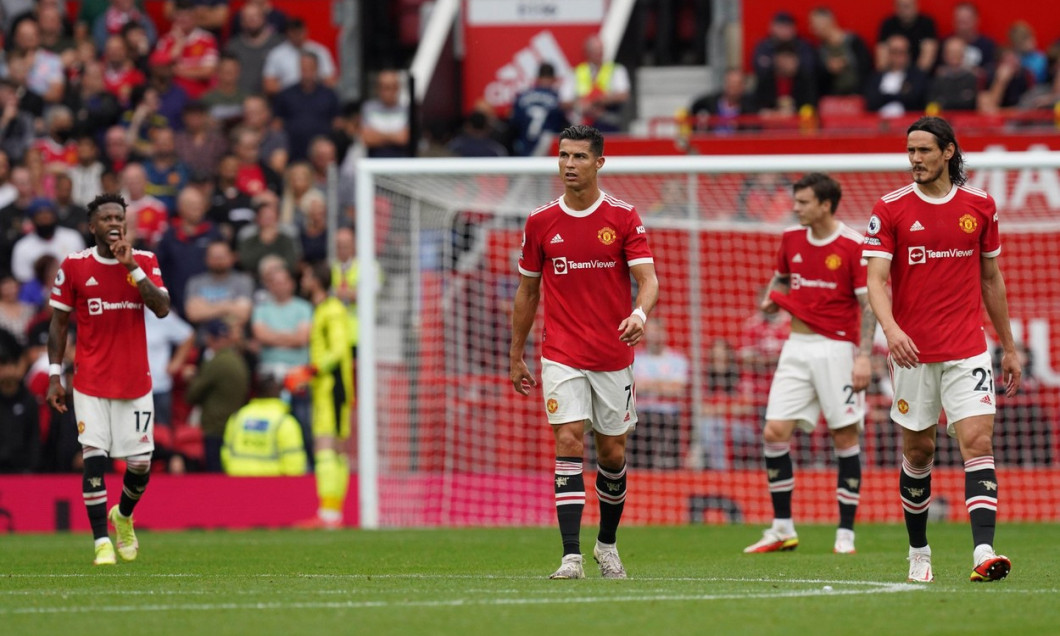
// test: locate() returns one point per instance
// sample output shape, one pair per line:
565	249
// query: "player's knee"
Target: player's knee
138	464
921	455
980	445
777	432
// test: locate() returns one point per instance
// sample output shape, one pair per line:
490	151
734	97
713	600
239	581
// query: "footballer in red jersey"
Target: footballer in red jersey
105	291
937	242
824	366
579	253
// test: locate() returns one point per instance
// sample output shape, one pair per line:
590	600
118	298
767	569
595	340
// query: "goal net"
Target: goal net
444	440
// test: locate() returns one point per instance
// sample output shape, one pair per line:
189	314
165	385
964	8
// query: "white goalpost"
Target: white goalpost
443	440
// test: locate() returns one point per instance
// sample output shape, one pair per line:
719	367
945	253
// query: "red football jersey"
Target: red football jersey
584	258
825	277
199	48
121	82
147	218
111	357
934	246
52	152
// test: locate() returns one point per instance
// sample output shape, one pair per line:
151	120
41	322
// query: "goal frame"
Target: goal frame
368	170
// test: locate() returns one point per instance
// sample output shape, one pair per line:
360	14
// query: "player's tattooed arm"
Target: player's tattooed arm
868	325
157	300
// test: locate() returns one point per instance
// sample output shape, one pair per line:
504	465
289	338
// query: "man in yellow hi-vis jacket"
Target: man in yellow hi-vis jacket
263	439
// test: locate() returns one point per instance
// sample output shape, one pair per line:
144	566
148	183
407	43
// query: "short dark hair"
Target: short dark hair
546	70
103	199
944	136
582	132
824	187
322	272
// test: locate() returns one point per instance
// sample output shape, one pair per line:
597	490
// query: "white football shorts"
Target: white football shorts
814	376
605	400
123	428
962	388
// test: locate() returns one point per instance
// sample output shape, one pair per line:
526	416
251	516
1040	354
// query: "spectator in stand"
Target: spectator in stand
321	155
58	149
280	326
346	133
15	314
15	215
221	292
764	197
474	140
114	20
117	150
602	88
200	145
899	87
980	52
193	50
169	342
719	414
955	85
145	216
307	108
274	17
16	125
781	31
44	74
86	174
843	57
230	208
209	15
313	228
272	144
385	119
71	214
166	173
219	388
253	175
139	46
170	97
47	237
918	30
722	111
537	112
35	292
1023	41
786	87
95	109
8	192
1006	84
181	251
225	100
54	35
297	185
283	67
662	375
18	73
267	237
19	423
120	75
251	46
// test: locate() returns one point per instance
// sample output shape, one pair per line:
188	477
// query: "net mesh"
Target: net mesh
457	446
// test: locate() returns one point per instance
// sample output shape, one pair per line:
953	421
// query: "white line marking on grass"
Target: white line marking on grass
889	588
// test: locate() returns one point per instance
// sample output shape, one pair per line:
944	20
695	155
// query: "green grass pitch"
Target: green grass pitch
683	580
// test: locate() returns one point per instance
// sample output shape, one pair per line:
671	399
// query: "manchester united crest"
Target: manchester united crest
80	427
551	405
968	223
903	407
833	262
129	279
607	236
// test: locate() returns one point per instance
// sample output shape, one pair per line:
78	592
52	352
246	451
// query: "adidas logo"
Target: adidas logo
797	258
91	281
520	73
986	400
556	239
916	227
145	440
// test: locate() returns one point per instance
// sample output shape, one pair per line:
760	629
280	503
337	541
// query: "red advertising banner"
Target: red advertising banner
506	41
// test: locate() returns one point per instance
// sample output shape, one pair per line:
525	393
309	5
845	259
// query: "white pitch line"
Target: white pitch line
461	602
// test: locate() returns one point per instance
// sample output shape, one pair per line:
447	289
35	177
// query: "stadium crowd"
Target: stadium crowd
219	128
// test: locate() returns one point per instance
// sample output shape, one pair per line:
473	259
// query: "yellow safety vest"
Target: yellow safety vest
583	75
263	439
